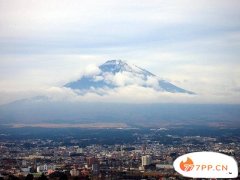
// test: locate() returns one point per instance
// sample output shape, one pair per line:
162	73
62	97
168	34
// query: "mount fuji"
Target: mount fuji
117	73
69	109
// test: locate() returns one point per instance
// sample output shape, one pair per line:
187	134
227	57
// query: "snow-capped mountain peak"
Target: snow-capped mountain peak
115	66
116	73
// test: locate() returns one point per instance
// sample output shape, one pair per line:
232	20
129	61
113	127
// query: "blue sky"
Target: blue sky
193	44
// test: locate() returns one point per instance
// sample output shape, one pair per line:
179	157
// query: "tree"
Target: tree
43	177
29	177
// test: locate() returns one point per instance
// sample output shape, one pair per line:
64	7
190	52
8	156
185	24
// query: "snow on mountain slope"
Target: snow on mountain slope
117	73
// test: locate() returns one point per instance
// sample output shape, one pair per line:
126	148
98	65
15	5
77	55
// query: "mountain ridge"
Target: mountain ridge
117	73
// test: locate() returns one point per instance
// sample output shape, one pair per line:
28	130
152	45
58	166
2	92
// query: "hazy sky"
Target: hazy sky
193	44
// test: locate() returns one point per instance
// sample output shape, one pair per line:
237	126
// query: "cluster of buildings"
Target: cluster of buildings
144	158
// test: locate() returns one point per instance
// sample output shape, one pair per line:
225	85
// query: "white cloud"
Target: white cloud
152	82
137	94
123	78
49	43
98	78
92	70
122	94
